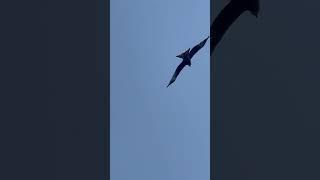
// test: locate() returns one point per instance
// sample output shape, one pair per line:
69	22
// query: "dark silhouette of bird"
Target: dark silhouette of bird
227	16
186	59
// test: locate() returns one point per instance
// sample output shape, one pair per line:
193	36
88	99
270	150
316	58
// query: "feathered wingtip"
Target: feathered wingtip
205	40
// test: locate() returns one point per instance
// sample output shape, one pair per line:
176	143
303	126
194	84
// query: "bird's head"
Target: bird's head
184	54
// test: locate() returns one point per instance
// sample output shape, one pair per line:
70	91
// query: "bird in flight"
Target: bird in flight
227	16
186	59
219	27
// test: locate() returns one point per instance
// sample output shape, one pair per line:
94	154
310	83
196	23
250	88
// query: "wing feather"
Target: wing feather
176	73
196	48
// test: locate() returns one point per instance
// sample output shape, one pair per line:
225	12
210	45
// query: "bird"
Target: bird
186	59
228	16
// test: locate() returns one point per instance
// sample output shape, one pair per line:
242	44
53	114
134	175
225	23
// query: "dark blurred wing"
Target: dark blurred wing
176	73
196	48
222	23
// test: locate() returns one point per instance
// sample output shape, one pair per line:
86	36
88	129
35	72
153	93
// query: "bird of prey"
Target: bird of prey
227	16
186	59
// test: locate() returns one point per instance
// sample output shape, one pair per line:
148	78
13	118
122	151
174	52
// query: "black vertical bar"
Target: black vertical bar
212	107
107	86
104	87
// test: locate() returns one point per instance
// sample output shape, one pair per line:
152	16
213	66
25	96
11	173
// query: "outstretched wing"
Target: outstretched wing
223	21
196	48
176	73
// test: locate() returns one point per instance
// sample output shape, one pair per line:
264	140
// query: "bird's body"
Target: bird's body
186	59
185	56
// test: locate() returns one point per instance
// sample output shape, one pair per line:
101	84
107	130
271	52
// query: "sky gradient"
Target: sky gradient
157	132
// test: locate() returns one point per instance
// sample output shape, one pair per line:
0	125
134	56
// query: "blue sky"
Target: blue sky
159	133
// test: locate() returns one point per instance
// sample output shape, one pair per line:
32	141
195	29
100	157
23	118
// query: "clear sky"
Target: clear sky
159	133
